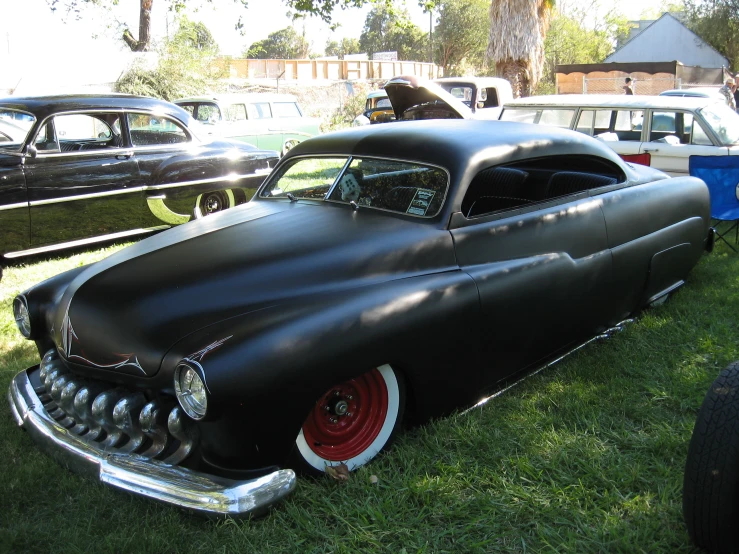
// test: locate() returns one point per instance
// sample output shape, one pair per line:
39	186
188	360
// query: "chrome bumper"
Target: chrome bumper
205	494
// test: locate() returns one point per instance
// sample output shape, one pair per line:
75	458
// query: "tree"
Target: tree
281	45
516	41
143	43
195	35
460	35
186	65
717	23
387	30
325	8
569	41
321	8
340	49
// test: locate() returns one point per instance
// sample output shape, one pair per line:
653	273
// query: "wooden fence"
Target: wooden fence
290	70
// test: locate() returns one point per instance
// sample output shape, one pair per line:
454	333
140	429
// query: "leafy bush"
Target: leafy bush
343	116
185	67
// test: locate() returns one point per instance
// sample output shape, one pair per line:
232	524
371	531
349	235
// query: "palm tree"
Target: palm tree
516	41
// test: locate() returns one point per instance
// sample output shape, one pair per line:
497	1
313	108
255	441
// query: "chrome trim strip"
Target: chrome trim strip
86	196
83	242
226	178
604	335
205	494
665	292
14	206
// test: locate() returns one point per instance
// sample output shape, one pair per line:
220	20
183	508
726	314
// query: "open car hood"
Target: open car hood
407	91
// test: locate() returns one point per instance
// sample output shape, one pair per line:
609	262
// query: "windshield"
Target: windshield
14	127
402	187
724	121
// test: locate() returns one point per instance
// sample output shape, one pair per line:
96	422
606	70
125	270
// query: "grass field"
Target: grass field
586	456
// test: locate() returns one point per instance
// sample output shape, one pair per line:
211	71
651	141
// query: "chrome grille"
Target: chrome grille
112	418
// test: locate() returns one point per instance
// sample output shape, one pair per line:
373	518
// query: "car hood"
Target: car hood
124	313
406	91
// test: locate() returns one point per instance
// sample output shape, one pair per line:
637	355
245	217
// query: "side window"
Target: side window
663	127
585	122
629	124
236	112
46	138
497	189
259	110
150	130
699	135
208	113
98	131
189	108
490	97
522	115
286	109
557	117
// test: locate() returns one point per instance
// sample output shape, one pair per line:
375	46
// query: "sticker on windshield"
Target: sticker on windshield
421	201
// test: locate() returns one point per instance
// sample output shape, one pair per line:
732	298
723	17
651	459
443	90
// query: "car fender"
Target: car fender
281	359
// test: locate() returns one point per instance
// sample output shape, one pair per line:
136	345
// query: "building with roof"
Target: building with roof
664	40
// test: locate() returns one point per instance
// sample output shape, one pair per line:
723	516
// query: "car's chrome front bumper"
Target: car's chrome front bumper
199	492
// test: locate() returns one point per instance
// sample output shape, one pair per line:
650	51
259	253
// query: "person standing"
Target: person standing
627	86
728	91
736	91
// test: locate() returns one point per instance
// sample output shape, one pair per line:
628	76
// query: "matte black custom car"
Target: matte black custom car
384	272
81	169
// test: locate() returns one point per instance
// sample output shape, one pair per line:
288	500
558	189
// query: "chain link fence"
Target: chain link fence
615	85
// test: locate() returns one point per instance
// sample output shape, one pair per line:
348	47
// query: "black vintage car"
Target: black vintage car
82	169
384	272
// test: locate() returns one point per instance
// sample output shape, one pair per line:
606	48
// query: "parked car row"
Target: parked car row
658	131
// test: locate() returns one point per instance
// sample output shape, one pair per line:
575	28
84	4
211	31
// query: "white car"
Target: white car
659	131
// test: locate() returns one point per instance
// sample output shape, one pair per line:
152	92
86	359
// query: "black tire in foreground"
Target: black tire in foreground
711	482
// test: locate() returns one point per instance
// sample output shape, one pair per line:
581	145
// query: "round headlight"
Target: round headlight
22	317
190	391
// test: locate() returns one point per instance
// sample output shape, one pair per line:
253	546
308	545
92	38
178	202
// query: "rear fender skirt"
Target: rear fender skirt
667	270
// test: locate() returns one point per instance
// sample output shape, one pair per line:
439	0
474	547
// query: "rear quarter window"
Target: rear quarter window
519	185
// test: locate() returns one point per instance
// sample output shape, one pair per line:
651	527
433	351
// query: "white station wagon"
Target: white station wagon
659	131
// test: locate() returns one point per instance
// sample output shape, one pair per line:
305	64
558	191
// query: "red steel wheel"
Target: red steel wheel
353	421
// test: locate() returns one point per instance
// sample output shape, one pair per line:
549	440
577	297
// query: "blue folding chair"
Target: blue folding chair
721	174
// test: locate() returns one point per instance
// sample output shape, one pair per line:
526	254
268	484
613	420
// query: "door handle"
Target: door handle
124	155
651	150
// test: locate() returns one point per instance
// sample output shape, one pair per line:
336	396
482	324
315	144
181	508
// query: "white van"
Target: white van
659	131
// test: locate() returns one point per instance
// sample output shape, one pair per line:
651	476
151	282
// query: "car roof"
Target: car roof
456	144
232	98
477	81
377	94
43	106
615	100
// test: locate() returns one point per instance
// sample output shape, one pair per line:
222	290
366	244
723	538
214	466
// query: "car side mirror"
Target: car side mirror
31	151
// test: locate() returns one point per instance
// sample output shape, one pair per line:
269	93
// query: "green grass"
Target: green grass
586	456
